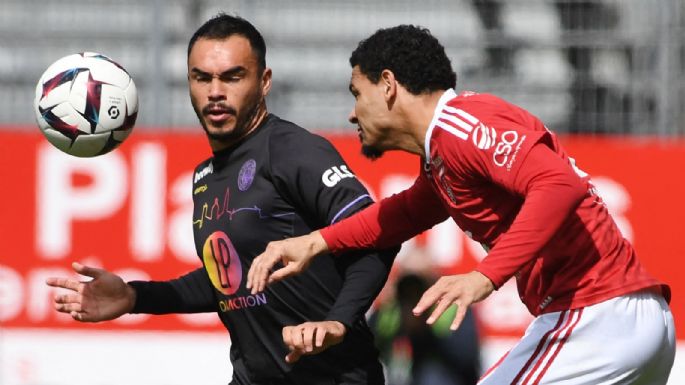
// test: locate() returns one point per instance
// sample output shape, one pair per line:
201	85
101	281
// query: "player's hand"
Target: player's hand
462	290
105	297
312	338
295	254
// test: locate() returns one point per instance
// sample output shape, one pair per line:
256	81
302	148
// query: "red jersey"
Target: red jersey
507	183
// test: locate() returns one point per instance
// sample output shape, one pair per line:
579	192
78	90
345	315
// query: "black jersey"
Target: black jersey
280	181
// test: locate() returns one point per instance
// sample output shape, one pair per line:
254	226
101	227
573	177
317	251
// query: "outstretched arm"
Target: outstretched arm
381	225
103	298
107	296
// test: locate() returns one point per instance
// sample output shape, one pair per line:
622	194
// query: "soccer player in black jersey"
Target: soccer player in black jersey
268	179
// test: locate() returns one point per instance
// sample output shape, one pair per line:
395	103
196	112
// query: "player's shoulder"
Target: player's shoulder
286	135
282	128
476	101
491	110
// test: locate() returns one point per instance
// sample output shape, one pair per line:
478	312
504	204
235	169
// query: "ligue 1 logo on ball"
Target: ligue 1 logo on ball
113	112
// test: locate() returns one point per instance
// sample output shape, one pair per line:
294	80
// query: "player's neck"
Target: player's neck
418	114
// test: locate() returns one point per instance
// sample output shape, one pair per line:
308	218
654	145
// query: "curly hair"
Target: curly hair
223	26
416	58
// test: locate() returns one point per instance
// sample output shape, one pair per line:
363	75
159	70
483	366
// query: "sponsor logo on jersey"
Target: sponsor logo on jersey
222	263
335	174
200	189
507	149
464	126
246	175
242	302
225	271
204	172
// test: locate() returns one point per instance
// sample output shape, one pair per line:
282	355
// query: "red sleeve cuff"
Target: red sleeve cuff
497	280
328	235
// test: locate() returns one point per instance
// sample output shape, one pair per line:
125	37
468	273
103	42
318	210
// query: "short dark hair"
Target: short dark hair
223	26
416	57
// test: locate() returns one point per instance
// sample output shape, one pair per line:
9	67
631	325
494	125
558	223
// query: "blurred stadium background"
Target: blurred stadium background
607	73
597	66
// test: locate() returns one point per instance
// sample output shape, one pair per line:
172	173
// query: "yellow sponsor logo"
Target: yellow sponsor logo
200	189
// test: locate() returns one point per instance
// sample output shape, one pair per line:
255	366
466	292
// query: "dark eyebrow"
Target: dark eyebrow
228	73
351	88
197	71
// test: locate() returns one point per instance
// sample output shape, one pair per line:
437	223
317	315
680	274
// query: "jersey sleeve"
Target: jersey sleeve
365	273
314	178
191	293
551	191
512	149
390	221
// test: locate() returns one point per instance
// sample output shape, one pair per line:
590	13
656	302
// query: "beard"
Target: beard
220	136
371	152
242	121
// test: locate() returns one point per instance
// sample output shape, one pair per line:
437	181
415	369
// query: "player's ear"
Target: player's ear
389	84
266	81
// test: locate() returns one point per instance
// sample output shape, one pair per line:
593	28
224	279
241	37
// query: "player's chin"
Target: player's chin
371	152
219	129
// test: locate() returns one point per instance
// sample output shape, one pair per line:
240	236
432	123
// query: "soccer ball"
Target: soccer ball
86	104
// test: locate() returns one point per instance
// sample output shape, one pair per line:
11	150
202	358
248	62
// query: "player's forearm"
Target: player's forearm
315	244
388	222
365	273
190	293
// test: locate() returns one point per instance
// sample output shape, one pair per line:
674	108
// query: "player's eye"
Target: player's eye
233	78
201	78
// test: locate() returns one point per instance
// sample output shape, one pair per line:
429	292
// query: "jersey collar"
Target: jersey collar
447	96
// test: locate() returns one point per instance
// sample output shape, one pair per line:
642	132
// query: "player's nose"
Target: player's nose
216	90
353	117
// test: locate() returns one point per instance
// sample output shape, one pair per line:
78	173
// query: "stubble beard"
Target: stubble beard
242	121
369	151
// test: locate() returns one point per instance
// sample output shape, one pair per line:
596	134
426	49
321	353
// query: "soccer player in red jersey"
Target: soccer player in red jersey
504	178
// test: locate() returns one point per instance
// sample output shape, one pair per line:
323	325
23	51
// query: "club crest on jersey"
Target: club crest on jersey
204	172
335	174
246	174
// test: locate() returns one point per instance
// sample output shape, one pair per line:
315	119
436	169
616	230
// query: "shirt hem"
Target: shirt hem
575	303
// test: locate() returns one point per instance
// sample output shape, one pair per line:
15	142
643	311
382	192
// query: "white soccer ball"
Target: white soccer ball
86	104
